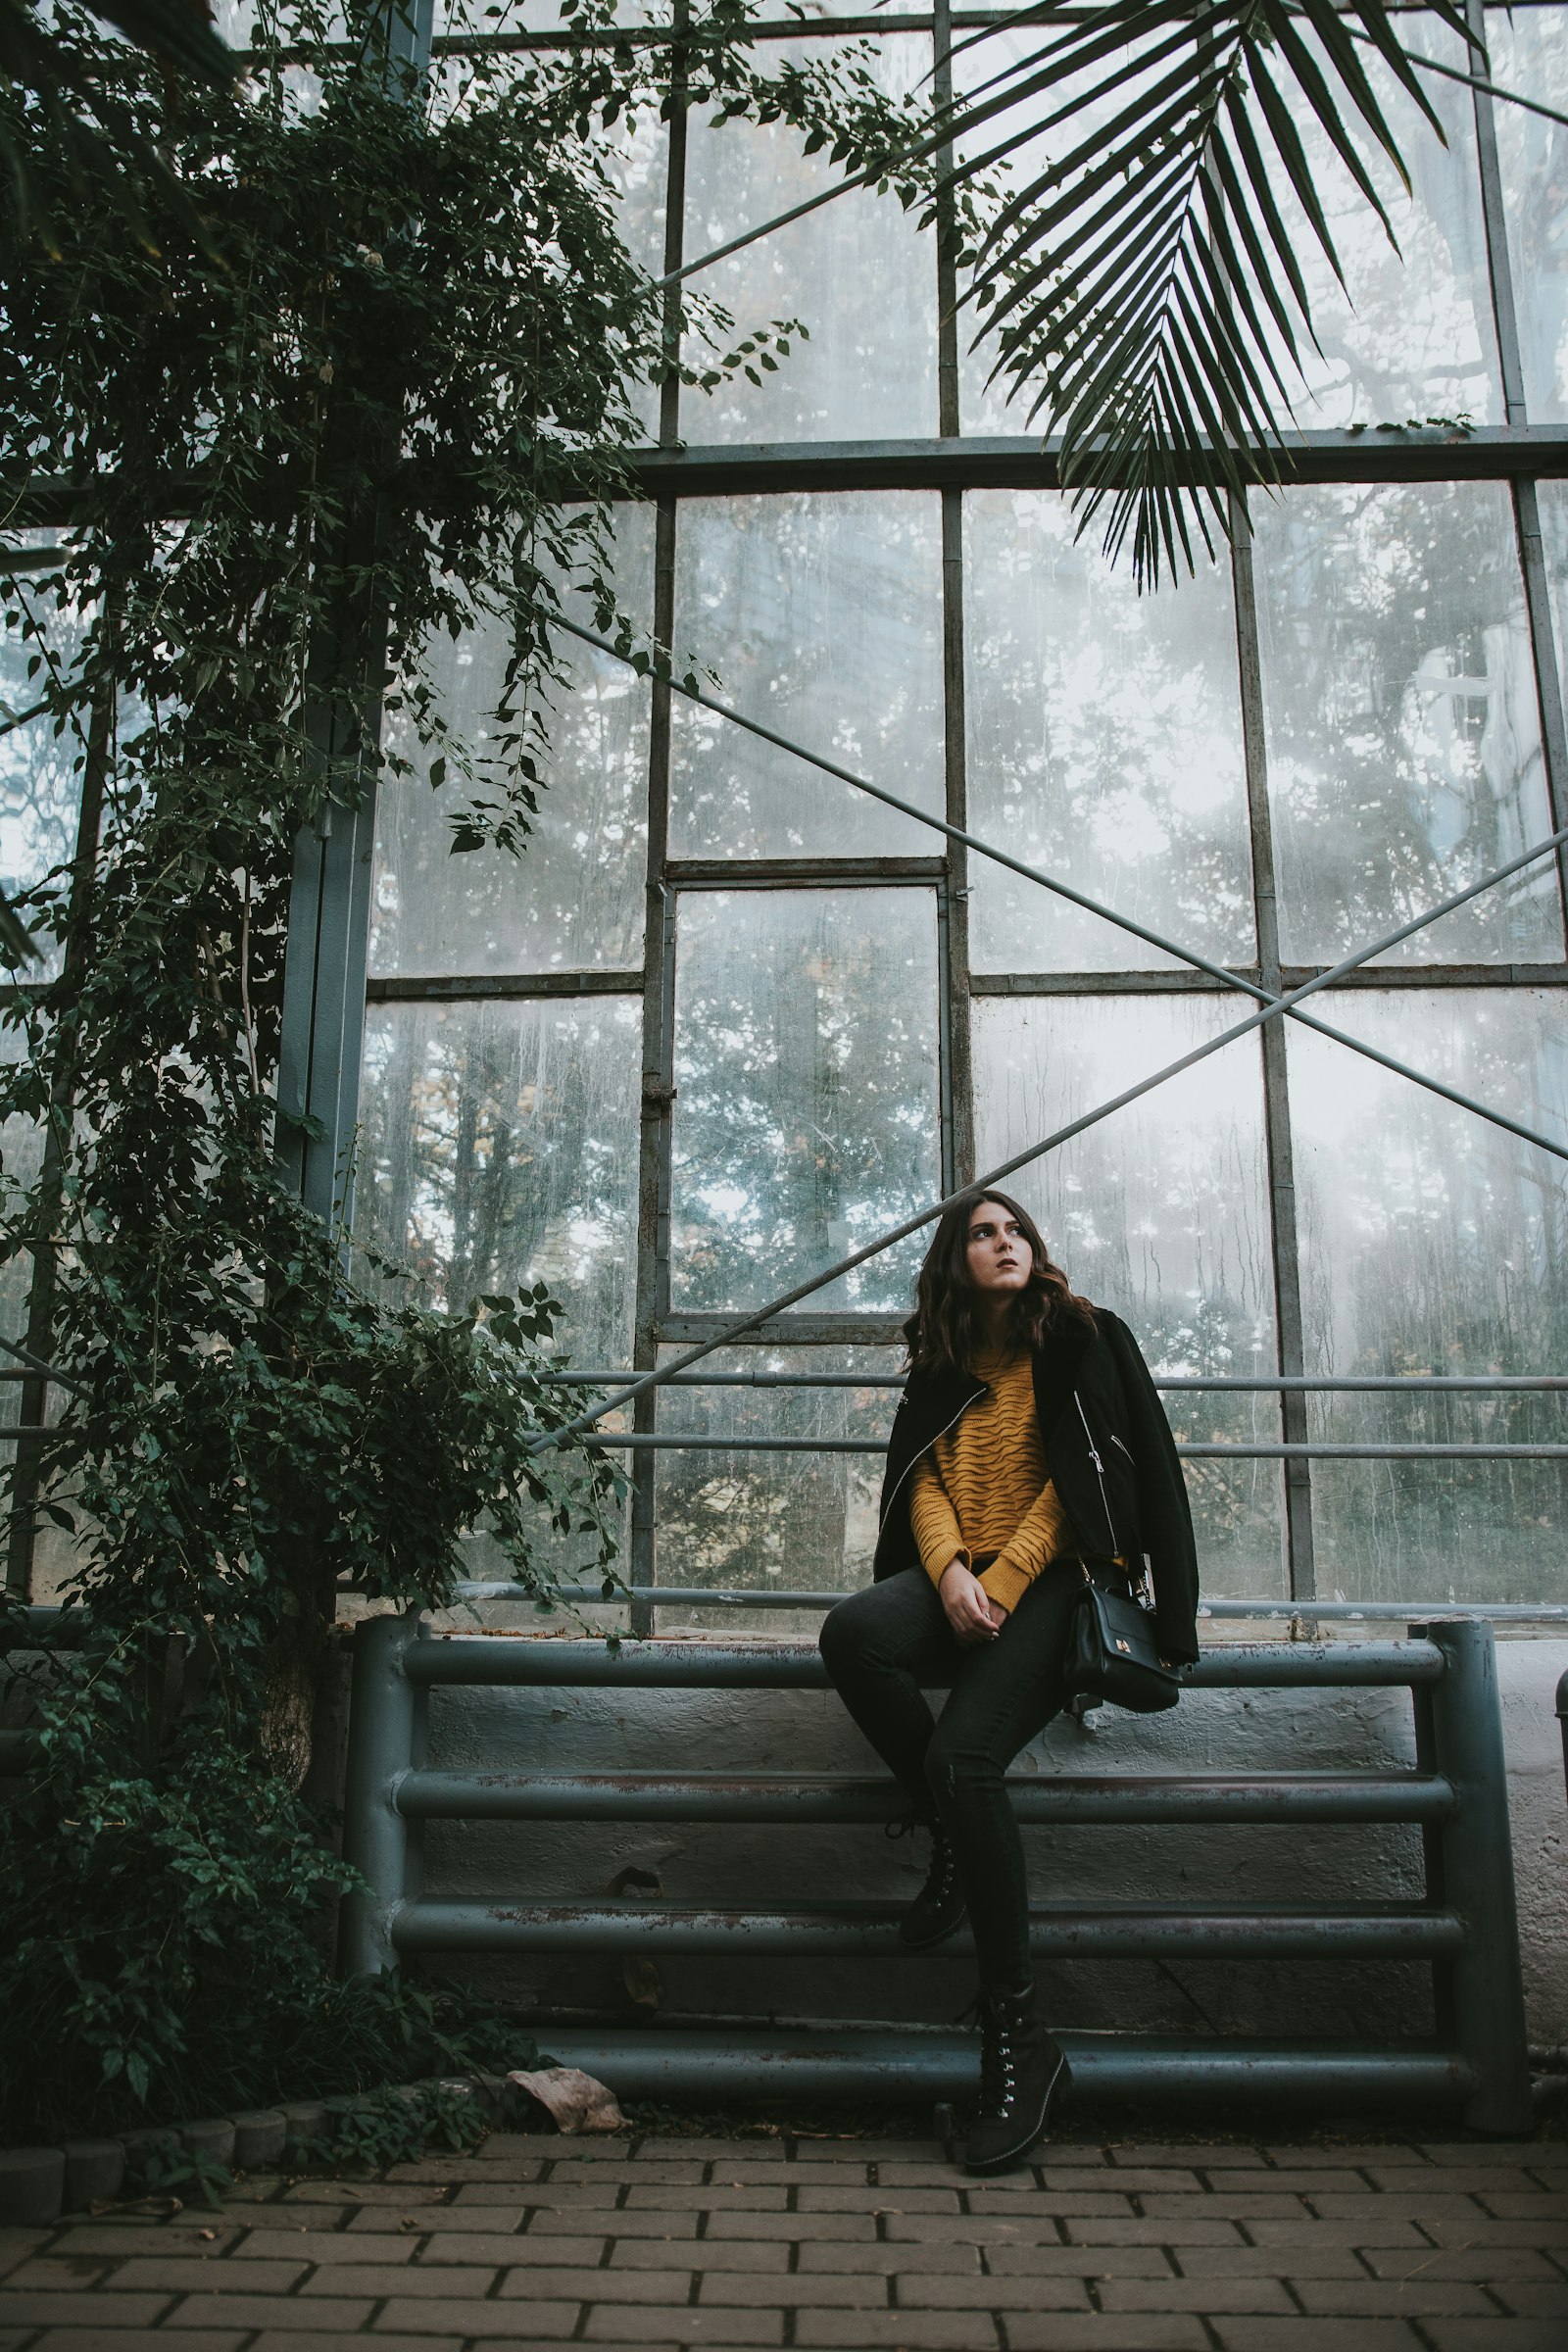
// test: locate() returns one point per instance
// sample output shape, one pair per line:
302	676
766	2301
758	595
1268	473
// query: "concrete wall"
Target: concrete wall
808	1731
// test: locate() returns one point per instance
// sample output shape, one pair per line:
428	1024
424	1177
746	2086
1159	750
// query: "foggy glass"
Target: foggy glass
1529	52
1402	726
1433	1243
858	273
1406	338
822	617
806	1116
780	1522
500	1147
575	896
1105	744
40	768
1409	338
1159	1213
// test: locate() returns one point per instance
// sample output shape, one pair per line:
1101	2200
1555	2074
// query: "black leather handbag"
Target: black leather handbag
1112	1654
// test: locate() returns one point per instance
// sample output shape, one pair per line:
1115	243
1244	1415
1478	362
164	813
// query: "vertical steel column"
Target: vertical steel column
320	1047
1289	1354
958	1136
658	945
383	1735
1481	1992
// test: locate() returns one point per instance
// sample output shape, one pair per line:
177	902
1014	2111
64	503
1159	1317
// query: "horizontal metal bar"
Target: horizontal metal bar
781	1596
1419	1383
1161	981
823	873
1065	1797
1025	461
617	1441
545	1663
869	1931
862	2063
974	461
441	988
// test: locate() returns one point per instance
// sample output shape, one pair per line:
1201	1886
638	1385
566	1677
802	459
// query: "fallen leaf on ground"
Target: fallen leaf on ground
576	2100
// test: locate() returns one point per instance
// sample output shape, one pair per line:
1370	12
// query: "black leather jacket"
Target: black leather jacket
1109	1452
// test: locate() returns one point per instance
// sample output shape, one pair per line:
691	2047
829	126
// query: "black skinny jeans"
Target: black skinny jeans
880	1648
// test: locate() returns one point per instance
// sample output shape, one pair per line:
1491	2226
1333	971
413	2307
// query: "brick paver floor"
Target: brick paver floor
1233	2246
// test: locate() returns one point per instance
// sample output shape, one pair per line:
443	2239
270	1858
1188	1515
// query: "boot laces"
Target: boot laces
998	2059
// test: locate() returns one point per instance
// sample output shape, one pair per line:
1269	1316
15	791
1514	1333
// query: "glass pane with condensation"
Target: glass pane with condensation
1409	337
857	274
1159	1213
42	764
1104	746
500	1147
1403	732
1528	49
1433	1243
806	1108
574	898
822	618
20	1160
777	1523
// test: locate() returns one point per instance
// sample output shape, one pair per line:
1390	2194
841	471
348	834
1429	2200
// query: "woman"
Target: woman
1030	1449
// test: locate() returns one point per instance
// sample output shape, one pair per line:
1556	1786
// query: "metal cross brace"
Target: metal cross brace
1271	1008
1125	922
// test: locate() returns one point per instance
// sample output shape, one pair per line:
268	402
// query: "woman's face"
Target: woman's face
999	1257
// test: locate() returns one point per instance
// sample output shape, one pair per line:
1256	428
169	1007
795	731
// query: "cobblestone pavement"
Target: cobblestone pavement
725	2244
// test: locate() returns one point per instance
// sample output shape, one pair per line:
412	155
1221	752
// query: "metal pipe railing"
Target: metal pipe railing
668	1441
1464	1927
779	1597
1420	1383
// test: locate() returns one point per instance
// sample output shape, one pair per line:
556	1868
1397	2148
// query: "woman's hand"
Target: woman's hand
971	1610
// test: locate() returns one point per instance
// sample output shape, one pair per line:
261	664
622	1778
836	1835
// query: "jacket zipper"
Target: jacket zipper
924	1450
1115	1441
1099	1473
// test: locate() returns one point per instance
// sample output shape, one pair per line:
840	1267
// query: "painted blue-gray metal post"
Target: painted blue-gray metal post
383	1731
1475	1855
321	1038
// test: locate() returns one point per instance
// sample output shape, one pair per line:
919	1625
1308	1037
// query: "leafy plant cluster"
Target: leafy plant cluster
365	374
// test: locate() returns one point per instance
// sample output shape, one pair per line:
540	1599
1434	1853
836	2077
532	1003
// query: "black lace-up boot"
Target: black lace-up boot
1021	2070
938	1909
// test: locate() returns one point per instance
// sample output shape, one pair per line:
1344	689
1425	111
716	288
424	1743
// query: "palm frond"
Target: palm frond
1142	287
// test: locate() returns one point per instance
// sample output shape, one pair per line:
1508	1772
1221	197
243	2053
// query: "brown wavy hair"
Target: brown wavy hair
943	1332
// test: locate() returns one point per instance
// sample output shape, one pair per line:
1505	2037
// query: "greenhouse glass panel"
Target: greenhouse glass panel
779	1522
1433	1243
850	379
1403	732
1412	336
500	1147
822	617
40	768
1105	744
1529	52
1409	337
575	896
1159	1213
20	1158
806	1106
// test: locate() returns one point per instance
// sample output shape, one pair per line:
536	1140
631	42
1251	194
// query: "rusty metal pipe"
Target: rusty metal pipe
479	1659
869	1931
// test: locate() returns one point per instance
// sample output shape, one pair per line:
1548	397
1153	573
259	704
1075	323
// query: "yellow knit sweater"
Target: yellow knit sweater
982	1488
